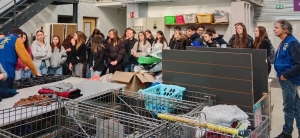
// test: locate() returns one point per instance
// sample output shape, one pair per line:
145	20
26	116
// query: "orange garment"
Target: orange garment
24	56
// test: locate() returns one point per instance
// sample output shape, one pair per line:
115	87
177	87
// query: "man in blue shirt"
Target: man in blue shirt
287	66
194	37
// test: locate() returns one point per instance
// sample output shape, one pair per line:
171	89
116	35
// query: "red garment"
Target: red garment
70	94
19	62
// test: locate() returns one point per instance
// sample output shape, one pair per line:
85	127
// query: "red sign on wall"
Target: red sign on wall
296	5
131	14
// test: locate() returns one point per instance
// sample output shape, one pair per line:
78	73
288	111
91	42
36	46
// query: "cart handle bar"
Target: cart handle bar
241	133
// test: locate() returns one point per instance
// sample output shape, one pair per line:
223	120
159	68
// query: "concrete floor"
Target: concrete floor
277	114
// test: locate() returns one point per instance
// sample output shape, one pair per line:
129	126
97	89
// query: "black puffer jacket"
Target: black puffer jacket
88	45
113	53
219	40
129	45
179	44
98	60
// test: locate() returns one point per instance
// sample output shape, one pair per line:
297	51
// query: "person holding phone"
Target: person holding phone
78	54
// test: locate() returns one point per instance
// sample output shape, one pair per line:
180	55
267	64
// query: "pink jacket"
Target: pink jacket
19	62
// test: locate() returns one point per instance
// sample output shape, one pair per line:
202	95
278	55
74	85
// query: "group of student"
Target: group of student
120	54
85	57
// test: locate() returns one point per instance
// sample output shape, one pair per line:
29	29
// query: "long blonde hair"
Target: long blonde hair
116	39
182	36
81	38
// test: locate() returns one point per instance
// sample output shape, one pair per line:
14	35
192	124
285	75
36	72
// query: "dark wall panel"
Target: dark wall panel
260	67
233	86
230	72
226	75
239	99
200	57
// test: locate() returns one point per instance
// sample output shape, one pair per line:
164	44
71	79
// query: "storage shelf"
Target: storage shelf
225	23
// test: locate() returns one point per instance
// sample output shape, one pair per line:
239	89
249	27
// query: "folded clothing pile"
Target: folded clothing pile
62	89
39	100
33	81
7	93
223	115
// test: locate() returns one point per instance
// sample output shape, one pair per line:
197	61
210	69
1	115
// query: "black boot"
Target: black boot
283	135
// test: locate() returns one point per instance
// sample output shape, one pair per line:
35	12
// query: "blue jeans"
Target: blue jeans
129	67
18	73
88	71
291	106
43	69
58	70
95	72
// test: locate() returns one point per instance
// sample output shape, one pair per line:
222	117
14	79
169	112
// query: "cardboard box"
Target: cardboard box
133	81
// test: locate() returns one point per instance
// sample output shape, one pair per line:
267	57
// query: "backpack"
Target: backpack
272	52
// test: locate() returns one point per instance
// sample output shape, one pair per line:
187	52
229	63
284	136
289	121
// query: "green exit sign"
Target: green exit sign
279	6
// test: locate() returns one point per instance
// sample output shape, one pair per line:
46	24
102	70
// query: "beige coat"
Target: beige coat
142	48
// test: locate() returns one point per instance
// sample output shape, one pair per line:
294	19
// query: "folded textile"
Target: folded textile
34	100
60	87
73	94
7	93
224	114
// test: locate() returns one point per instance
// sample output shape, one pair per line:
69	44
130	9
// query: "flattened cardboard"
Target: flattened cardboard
133	81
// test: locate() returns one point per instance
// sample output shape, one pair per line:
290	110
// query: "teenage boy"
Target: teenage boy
220	42
194	37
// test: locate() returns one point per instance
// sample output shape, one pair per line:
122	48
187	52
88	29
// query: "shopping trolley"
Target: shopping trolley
64	118
136	102
192	125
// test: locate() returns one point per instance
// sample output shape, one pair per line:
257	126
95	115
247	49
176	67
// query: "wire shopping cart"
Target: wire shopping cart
190	125
136	103
64	118
109	114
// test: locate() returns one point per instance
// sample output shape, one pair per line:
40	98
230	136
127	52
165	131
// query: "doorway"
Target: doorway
89	24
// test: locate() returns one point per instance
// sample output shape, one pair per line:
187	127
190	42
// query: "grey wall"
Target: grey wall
140	10
269	11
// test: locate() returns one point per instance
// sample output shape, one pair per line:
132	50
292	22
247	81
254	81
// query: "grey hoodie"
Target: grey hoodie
3	72
60	87
58	58
40	53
